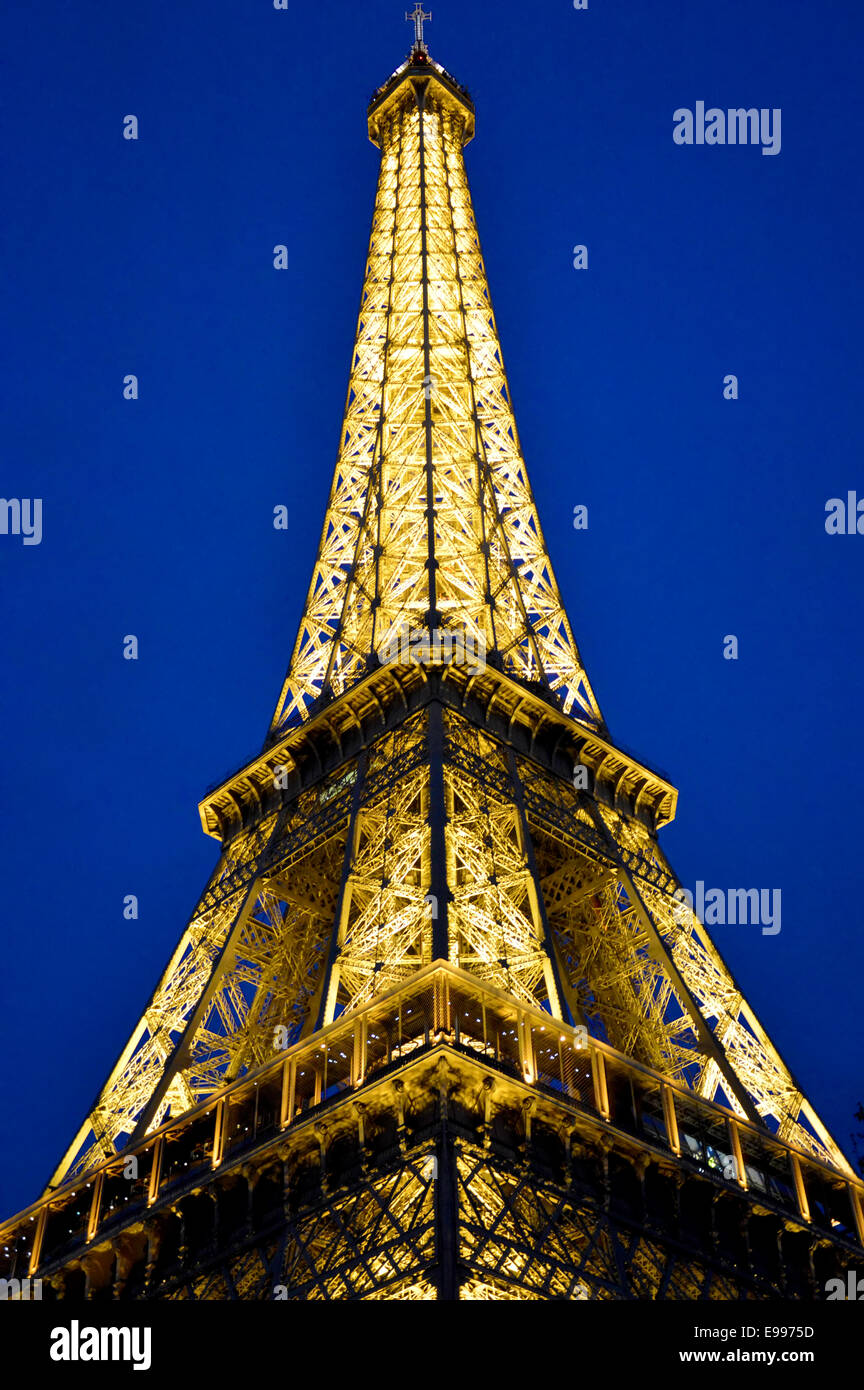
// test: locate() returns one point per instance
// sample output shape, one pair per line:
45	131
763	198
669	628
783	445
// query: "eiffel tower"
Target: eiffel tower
442	1025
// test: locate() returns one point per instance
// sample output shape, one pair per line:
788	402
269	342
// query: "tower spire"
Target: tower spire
417	17
431	521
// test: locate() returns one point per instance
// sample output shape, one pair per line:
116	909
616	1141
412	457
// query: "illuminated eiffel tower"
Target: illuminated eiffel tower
441	1025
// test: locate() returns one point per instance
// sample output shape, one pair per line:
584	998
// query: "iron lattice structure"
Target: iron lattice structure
439	1026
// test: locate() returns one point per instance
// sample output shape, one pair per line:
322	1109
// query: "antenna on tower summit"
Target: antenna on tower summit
417	18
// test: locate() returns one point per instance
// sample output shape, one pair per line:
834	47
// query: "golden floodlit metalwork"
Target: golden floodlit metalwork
439	1026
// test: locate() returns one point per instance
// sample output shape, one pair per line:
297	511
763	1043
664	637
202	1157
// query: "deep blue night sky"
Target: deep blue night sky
706	517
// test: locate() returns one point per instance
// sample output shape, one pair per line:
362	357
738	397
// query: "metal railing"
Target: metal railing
439	1004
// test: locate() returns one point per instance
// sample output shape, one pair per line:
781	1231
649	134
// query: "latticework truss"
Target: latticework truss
431	521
